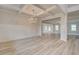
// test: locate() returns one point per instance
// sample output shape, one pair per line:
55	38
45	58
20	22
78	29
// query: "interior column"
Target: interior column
63	27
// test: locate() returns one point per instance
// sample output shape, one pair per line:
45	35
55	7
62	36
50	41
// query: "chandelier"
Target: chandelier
34	17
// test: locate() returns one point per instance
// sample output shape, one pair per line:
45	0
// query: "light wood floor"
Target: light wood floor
45	45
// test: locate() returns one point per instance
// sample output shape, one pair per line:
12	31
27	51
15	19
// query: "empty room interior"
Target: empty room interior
39	29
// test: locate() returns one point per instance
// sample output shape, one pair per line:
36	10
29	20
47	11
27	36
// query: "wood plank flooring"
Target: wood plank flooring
45	45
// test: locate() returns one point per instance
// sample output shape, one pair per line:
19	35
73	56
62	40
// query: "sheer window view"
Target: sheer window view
73	27
56	27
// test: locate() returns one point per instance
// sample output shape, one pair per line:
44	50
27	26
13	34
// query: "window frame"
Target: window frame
57	27
73	27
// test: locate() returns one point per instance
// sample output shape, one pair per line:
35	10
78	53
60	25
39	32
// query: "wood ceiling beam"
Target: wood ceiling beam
43	12
47	10
21	11
52	17
38	6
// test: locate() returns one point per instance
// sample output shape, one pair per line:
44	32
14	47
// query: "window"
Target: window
45	28
56	27
73	27
49	28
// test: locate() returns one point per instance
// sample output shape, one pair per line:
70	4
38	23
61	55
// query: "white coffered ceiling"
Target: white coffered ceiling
40	10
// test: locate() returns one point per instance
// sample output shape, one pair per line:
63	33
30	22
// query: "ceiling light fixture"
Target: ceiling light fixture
34	17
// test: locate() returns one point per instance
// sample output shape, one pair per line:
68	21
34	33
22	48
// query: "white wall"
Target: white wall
15	26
